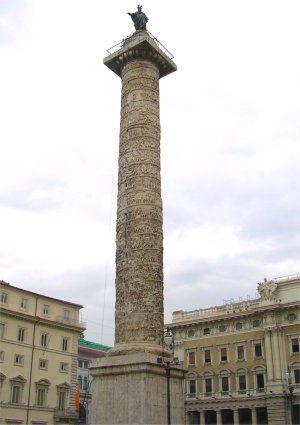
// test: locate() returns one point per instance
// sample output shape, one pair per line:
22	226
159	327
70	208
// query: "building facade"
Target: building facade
87	352
243	358
38	357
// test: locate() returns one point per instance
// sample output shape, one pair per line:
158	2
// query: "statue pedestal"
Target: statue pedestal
132	389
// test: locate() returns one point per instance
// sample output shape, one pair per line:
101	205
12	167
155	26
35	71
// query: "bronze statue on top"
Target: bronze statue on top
139	18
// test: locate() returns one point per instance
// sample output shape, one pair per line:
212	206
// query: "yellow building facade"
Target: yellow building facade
38	357
243	358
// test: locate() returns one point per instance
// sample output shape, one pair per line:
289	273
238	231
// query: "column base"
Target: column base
132	389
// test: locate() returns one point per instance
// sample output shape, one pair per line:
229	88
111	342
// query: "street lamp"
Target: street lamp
290	388
168	339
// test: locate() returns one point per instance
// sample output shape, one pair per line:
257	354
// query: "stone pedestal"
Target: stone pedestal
132	389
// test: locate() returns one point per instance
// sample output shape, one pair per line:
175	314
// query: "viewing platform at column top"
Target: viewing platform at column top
140	45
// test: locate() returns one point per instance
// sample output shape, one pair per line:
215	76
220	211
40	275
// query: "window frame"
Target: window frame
65	343
24	303
64	367
46	309
294	338
221	350
4	297
21	334
46	364
19	360
209	358
2	329
44	339
191	353
254	344
237	352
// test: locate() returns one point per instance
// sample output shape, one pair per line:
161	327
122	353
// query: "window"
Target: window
224	384
62	400
191	358
17	385
64	367
257	350
23	303
192	386
45	309
41	397
223	354
65	344
240	352
21	334
260	382
291	317
80	381
85	383
1	356
206	331
239	326
207	356
66	315
44	340
80	363
242	382
16	394
4	297
85	364
255	323
208	385
19	360
222	328
295	345
2	329
191	333
43	364
297	376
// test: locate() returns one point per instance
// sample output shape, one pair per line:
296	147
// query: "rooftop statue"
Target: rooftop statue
139	18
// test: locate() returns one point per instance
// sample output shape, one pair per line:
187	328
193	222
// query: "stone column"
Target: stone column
202	417
236	418
219	417
269	357
254	415
130	385
139	256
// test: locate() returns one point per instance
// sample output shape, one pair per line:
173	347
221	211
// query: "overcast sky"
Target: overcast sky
230	144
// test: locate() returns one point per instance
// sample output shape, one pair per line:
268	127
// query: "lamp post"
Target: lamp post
290	394
168	339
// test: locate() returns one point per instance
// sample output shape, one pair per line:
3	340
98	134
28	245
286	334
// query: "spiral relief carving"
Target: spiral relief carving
139	238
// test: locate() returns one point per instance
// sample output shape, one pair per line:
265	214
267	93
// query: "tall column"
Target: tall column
130	385
139	256
269	357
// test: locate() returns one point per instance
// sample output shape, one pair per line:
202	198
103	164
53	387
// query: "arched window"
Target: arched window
191	380
224	382
259	373
208	384
241	380
80	381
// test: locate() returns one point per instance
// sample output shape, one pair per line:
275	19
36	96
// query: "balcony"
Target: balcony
65	414
70	322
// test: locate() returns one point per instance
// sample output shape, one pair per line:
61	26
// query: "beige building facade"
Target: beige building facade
243	358
38	357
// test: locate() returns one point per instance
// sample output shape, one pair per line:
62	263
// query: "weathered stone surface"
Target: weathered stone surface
133	390
139	240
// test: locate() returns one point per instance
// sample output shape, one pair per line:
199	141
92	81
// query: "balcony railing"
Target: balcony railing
65	413
71	322
226	394
139	36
